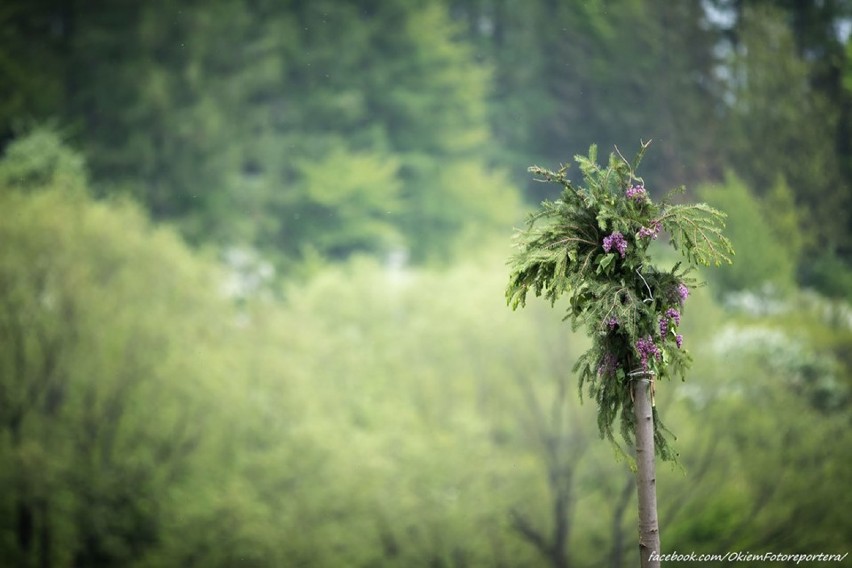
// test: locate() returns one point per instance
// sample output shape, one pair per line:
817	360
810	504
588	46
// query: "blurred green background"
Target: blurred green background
252	262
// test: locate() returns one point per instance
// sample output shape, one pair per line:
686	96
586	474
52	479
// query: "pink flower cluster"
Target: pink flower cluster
650	232
647	349
615	241
636	192
671	315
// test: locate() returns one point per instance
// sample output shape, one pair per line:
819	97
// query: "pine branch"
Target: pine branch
698	229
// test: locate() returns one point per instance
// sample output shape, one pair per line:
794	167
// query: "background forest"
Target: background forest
252	271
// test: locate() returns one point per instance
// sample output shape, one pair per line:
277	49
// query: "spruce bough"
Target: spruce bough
591	245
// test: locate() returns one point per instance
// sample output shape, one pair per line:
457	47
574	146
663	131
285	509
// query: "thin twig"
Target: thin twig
617	151
650	297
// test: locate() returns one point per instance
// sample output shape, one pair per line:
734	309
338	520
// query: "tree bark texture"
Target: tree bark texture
646	477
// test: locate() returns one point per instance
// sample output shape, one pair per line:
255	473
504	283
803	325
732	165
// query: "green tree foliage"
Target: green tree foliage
569	72
211	115
222	117
785	219
102	323
797	125
760	382
32	69
40	160
766	252
444	427
817	28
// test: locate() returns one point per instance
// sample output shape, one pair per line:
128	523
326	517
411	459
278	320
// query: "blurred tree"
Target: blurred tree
754	384
102	321
509	39
561	443
326	126
817	26
785	219
797	107
570	72
774	102
764	255
33	68
388	87
151	117
41	160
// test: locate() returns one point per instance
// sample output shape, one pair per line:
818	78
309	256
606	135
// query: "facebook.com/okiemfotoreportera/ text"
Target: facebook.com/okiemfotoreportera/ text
738	556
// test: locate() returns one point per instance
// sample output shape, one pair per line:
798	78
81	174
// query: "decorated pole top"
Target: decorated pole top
591	245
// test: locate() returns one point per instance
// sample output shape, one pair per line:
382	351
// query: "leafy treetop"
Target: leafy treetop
591	244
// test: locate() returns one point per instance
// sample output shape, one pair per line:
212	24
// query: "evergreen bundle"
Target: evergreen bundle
592	245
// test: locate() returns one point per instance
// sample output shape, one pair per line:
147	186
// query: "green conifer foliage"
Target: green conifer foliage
592	245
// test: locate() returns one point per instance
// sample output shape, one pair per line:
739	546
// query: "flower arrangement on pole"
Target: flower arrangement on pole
591	245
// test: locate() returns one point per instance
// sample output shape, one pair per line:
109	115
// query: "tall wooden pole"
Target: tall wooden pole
646	477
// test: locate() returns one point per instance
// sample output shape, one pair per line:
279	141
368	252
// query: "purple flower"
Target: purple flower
682	292
670	315
612	323
679	340
615	240
673	314
650	232
646	348
636	192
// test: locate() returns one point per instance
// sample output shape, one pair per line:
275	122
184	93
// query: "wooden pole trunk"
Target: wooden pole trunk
646	477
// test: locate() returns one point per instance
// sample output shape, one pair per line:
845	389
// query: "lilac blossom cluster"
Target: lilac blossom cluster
647	349
682	292
650	232
636	192
615	241
673	314
612	323
670	315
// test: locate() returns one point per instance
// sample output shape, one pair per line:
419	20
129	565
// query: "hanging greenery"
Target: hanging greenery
592	245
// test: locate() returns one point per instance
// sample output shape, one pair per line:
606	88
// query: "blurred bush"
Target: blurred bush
767	244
